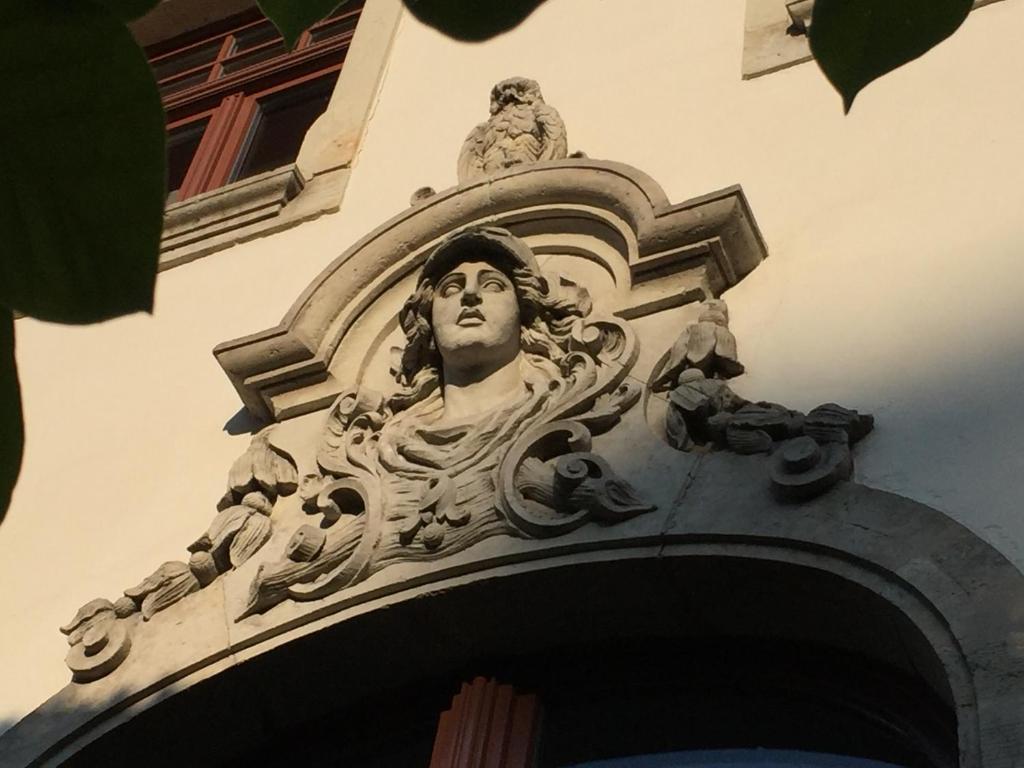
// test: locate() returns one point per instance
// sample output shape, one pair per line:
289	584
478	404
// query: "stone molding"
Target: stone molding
960	594
647	243
232	214
604	458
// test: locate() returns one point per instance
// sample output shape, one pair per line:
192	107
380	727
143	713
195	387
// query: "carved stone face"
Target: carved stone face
475	317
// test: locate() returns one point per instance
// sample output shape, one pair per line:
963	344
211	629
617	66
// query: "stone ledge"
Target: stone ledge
245	210
315	183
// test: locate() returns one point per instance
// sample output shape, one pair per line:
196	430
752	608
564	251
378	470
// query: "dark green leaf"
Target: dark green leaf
128	10
472	19
12	433
81	163
857	41
293	17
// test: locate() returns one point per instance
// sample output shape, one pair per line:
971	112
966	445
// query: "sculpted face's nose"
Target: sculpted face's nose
471	293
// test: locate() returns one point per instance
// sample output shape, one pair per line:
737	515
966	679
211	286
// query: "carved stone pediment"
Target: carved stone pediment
529	371
379	462
610	223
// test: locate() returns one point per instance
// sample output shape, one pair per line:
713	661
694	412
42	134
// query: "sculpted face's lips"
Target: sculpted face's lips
470	316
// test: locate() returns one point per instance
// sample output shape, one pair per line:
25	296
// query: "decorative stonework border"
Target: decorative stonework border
961	597
284	371
773	37
206	223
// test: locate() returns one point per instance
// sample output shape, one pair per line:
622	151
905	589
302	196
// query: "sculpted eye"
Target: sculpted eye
449	289
494	284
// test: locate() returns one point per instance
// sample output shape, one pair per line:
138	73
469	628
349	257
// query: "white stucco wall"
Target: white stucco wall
892	284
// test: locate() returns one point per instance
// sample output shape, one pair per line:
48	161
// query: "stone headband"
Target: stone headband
491	244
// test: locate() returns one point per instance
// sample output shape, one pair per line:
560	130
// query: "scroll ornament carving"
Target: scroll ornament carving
398	481
552	482
810	452
522	129
100	632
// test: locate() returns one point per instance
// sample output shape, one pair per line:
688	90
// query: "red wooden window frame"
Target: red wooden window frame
230	101
489	725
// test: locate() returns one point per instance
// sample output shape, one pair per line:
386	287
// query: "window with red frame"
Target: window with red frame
237	102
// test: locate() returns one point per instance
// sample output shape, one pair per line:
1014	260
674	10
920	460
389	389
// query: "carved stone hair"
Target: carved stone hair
546	318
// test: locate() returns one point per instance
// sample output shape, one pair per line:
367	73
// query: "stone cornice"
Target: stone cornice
714	235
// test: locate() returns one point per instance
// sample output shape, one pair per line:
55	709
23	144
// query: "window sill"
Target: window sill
315	184
253	207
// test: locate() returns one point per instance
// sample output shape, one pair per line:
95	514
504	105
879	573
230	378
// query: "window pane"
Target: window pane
334	28
185	81
190	58
281	125
255	35
243	60
182	144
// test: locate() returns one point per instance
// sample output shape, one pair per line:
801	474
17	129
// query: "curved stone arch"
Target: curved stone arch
712	240
964	599
888	587
968	586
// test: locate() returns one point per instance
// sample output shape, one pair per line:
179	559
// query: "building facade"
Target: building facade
737	467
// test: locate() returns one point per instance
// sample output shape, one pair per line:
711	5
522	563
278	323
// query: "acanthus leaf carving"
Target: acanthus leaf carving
163	588
397	483
320	561
810	453
240	528
706	345
551	483
437	509
250	537
263	467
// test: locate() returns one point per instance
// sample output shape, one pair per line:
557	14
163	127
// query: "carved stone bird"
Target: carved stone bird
522	129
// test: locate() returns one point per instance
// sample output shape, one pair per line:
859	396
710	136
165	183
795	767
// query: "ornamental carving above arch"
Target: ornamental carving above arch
471	371
533	365
481	367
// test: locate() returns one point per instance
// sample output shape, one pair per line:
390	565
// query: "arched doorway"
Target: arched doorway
708	646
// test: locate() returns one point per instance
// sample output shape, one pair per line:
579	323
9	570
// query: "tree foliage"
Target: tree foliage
82	153
855	43
292	18
472	21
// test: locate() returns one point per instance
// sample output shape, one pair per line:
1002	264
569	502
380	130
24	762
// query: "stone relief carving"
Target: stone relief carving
810	452
99	642
100	632
504	378
522	129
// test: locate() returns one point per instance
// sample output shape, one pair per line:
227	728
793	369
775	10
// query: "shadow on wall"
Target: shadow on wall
948	434
243	423
21	740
